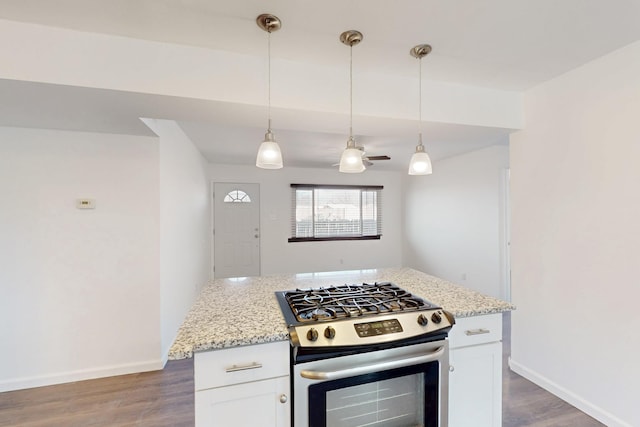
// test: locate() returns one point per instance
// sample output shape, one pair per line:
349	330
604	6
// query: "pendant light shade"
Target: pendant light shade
269	154
351	159
420	163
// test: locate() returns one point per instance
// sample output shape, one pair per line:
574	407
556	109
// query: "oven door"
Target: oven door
403	386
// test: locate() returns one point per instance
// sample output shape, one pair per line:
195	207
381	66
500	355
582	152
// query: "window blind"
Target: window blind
321	212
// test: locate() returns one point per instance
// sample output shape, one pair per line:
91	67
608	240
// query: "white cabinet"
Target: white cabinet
475	378
245	405
243	386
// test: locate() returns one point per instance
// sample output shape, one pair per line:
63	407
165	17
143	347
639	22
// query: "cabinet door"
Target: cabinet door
252	404
475	386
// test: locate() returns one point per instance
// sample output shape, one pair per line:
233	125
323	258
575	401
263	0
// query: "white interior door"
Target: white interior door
236	230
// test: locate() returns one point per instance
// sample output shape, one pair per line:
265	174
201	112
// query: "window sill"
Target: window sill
329	239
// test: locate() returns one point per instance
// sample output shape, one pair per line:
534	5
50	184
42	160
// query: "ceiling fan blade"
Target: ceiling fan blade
378	158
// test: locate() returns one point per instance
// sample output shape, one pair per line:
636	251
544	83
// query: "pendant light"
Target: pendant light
351	159
420	162
269	155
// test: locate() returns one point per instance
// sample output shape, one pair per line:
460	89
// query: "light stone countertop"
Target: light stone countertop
236	312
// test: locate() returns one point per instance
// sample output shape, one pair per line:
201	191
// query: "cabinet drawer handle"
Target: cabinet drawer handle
480	331
236	368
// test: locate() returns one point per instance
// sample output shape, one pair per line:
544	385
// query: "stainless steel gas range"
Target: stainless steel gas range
366	355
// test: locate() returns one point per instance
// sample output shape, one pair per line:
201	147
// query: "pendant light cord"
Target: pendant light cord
351	91
420	102
269	79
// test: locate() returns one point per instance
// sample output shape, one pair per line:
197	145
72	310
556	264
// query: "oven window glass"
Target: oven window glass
396	402
395	398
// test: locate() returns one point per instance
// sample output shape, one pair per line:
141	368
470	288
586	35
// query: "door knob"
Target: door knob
256	236
283	398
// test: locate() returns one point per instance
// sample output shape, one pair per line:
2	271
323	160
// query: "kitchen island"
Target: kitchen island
244	311
238	337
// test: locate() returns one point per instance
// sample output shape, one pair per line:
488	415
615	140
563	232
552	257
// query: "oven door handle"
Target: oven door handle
366	369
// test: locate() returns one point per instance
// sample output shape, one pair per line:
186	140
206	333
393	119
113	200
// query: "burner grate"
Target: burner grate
336	302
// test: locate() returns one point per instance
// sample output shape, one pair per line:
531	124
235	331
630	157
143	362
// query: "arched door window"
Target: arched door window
237	196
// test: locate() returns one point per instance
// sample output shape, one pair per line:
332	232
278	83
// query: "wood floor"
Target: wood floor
526	404
165	398
159	399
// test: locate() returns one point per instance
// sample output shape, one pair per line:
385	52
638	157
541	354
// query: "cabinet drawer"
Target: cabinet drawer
238	365
476	330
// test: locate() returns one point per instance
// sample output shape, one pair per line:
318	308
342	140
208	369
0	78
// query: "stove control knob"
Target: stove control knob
329	332
422	320
436	318
312	334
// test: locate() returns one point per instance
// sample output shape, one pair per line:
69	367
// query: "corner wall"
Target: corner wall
575	238
185	231
79	293
454	220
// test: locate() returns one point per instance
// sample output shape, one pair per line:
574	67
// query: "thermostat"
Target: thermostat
85	203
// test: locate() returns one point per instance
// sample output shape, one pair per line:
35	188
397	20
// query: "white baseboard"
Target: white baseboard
79	375
585	406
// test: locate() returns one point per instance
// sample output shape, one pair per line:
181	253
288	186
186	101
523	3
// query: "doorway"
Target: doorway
505	234
236	229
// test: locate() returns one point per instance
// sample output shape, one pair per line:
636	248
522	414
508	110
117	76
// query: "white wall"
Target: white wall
454	220
185	207
280	256
79	294
575	237
76	58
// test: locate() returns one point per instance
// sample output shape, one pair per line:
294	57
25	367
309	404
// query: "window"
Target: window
237	196
335	212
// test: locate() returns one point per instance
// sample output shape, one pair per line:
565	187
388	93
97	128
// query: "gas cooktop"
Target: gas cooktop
336	302
359	314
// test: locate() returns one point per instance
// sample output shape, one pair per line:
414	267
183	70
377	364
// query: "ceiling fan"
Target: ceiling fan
367	160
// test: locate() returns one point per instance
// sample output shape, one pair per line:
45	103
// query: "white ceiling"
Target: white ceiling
502	44
507	44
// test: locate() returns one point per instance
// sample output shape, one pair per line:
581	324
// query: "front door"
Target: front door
236	230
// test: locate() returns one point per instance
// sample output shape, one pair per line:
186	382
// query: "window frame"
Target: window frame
376	188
